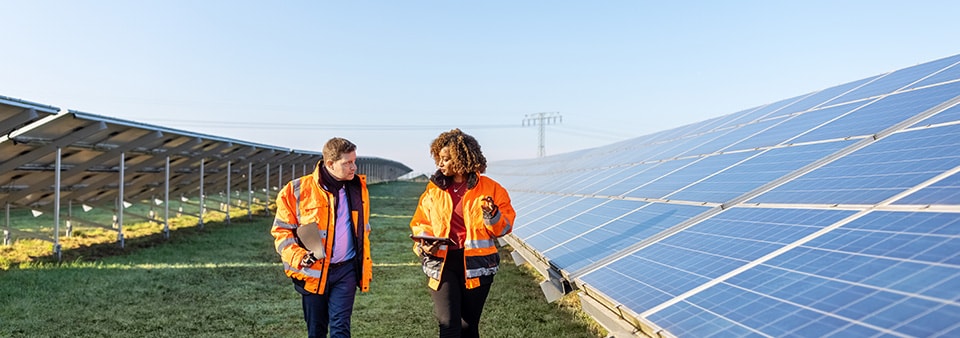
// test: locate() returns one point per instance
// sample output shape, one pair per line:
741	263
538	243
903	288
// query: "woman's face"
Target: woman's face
445	162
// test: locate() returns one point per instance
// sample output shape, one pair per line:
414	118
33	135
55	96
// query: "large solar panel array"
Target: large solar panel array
49	156
835	213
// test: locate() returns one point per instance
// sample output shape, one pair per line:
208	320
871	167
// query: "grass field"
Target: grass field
226	280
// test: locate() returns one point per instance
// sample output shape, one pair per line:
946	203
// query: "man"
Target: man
321	232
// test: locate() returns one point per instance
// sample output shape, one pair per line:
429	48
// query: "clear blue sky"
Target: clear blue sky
391	75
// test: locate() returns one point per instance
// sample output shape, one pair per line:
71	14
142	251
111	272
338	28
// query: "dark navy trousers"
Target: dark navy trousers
333	308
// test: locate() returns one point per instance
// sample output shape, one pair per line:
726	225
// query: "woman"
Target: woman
471	210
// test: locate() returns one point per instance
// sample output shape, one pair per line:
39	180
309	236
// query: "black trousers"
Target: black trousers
457	308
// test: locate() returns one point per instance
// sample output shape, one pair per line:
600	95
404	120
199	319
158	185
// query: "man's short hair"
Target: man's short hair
336	147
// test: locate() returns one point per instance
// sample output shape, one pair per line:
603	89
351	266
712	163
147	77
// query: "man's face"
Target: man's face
344	168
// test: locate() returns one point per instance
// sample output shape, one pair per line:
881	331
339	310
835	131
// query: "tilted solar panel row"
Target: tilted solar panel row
835	213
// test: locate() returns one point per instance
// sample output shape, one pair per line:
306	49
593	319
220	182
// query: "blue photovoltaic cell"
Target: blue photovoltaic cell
687	175
613	175
886	272
893	81
884	113
568	183
706	126
643	176
678	147
555	215
876	172
530	222
945	75
745	116
544	182
729	137
556	232
628	154
794	126
755	172
705	251
582	224
762	112
515	182
620	233
946	191
819	98
947	115
524	202
678	132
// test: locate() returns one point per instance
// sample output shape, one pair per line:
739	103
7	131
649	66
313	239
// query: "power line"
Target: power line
323	126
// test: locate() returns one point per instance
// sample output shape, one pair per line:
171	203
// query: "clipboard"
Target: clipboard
310	237
441	240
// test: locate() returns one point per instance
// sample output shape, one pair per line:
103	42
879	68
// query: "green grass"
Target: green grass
226	280
91	242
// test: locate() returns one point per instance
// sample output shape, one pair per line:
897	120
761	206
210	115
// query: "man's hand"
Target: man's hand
308	260
490	208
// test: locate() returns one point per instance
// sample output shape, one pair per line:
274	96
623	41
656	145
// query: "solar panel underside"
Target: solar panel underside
835	213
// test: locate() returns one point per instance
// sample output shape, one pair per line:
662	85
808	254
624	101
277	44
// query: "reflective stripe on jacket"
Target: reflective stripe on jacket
432	218
303	202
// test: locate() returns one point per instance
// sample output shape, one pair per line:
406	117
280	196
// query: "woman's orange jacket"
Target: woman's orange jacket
303	202
432	218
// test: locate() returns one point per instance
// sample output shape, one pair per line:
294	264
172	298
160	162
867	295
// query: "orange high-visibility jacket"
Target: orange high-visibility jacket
432	218
303	202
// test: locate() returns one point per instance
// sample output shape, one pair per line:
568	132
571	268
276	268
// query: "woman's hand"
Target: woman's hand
429	247
490	208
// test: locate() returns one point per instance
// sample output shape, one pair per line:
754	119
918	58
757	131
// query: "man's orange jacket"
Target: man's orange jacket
302	202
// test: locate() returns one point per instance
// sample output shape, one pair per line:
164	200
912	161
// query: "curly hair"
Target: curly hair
464	149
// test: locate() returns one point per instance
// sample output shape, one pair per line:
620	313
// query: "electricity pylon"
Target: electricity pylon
542	120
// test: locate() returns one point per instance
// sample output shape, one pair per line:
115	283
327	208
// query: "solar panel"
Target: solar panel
820	98
756	171
883	113
789	128
876	172
729	137
949	115
883	274
948	73
834	213
946	191
687	175
619	233
48	156
640	175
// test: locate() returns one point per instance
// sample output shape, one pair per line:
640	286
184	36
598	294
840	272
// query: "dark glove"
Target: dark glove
426	248
490	208
308	260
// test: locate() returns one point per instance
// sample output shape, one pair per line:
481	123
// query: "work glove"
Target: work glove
430	248
308	260
490	209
